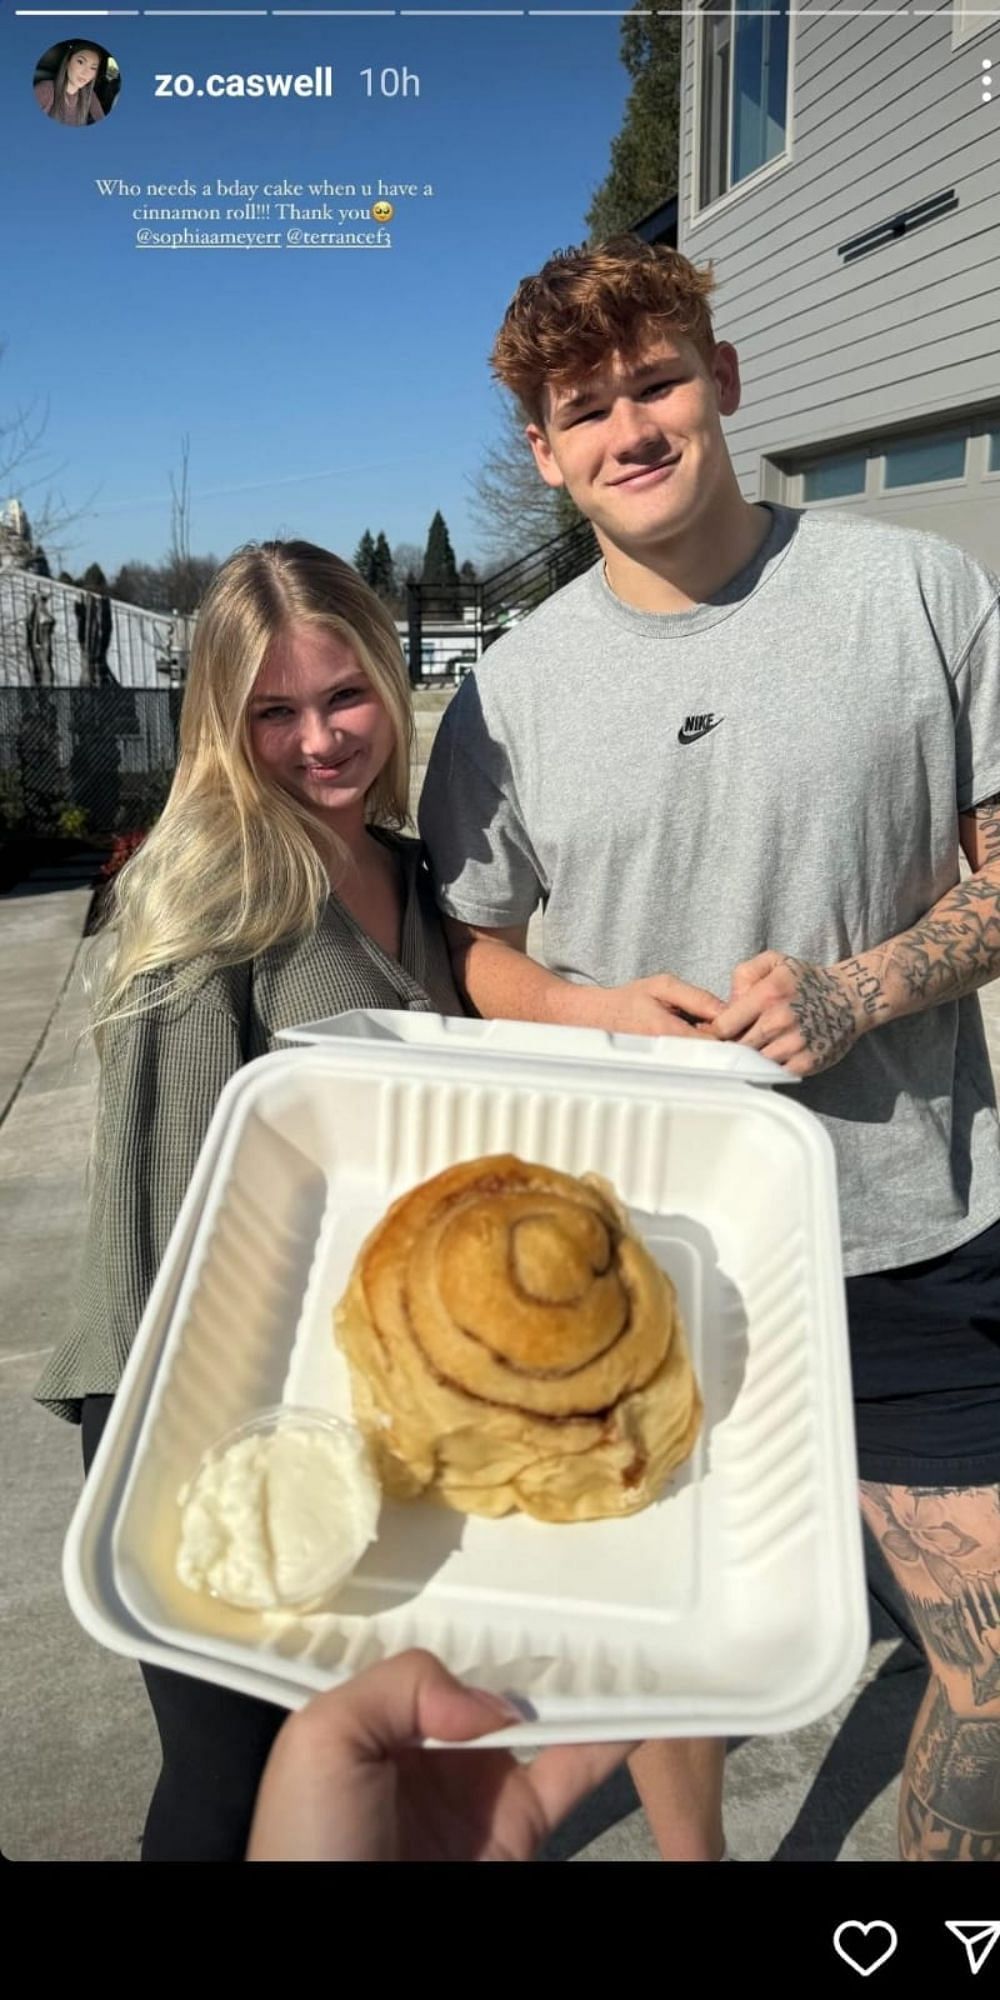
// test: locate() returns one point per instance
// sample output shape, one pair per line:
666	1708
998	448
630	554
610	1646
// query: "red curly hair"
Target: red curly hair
586	304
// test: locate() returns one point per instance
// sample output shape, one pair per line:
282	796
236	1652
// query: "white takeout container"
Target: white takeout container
734	1605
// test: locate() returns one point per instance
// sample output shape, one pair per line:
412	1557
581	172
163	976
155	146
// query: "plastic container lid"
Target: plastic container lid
533	1041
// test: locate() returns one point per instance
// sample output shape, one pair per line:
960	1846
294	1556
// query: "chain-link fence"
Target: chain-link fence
90	693
92	761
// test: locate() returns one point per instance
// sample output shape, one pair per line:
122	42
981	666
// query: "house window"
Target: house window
839	477
920	460
971	17
744	92
877	468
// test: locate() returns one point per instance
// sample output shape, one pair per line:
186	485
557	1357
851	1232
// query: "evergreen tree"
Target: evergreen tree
383	574
440	572
364	557
643	170
93	578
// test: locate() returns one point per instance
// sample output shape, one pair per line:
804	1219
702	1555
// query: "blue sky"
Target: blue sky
323	392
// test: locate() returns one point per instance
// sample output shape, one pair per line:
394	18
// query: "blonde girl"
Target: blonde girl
276	888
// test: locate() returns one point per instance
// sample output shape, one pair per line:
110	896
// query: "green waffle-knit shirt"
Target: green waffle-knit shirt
161	1075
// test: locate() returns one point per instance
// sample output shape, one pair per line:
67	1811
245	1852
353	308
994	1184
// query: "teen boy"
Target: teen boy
736	762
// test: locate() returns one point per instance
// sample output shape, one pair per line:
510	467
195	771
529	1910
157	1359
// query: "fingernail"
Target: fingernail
505	1711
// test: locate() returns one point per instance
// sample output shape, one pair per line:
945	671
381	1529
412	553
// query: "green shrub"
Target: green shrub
72	823
11	809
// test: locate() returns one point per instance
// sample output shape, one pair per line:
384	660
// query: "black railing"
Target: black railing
526	583
447	631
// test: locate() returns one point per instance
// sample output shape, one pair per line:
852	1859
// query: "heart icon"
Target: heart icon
859	1958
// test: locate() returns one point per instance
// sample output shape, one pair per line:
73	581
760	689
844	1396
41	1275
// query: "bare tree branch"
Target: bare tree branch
22	466
186	581
512	507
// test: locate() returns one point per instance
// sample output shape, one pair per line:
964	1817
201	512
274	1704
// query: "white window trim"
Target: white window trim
779	165
753	181
968	19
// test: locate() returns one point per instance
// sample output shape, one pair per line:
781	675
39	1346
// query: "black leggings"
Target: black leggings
215	1745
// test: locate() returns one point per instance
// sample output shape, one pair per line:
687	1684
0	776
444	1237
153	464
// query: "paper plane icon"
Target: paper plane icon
978	1939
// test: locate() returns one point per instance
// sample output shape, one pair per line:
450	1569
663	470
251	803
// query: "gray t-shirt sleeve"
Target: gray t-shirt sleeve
481	859
977	719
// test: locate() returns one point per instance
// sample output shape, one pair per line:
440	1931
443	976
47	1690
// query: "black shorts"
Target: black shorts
925	1355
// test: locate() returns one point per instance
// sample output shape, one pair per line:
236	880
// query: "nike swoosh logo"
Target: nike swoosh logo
686	736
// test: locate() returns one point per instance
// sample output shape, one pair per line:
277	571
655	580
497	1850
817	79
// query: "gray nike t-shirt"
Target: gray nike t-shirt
779	768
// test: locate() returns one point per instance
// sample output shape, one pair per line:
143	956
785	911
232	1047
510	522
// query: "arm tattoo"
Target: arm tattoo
987	818
951	952
868	986
954	949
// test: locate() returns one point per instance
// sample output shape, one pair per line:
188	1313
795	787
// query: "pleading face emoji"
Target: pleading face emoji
383	211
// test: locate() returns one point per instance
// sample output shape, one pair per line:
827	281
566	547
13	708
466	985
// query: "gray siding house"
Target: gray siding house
841	171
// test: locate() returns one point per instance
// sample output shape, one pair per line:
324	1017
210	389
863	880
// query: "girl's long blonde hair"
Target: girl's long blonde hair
235	864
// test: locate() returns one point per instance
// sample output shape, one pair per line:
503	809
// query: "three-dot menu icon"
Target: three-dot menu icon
987	69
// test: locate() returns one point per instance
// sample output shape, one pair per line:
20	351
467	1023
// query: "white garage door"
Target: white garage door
945	479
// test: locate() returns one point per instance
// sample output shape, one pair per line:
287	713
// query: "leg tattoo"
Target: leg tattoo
943	1547
950	1802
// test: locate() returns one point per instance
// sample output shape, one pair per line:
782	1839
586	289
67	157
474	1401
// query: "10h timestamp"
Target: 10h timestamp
390	83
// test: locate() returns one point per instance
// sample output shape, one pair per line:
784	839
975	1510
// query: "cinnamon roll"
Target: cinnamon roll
513	1345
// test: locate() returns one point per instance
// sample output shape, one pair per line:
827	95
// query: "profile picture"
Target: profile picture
77	82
